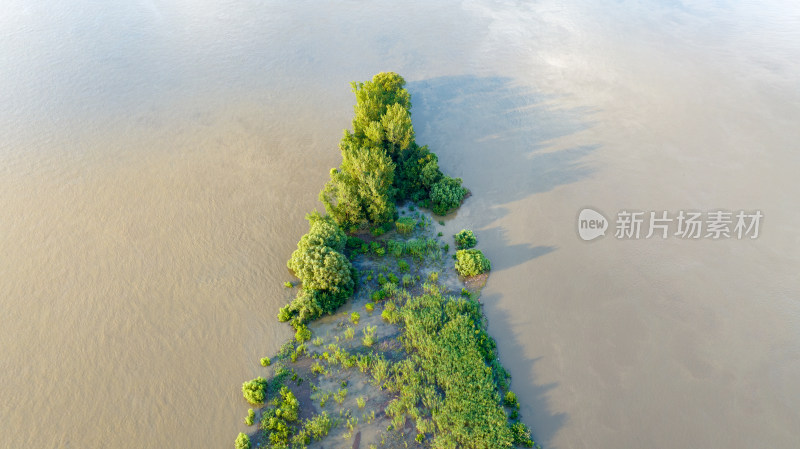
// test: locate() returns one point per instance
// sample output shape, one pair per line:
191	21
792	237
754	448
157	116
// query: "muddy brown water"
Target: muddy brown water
158	157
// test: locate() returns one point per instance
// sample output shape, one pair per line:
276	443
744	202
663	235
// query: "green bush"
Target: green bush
510	400
303	334
521	435
471	262
447	195
277	422
354	243
465	239
369	336
250	418
309	305
242	442
403	266
417	171
369	306
405	225
323	231
322	268
266	361
288	284
255	391
314	428
354	317
407	279
378	295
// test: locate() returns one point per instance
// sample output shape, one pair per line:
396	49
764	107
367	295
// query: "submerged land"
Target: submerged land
391	347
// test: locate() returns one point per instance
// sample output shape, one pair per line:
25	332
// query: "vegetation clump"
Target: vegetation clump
255	391
446	384
465	239
405	225
471	262
242	441
436	365
447	195
327	275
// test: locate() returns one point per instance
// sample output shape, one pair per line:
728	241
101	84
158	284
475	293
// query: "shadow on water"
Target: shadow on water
506	135
509	142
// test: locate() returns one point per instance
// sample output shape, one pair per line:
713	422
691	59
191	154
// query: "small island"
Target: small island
391	348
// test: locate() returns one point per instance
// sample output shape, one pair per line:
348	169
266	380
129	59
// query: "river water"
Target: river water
158	158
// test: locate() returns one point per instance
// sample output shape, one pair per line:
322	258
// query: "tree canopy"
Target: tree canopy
381	162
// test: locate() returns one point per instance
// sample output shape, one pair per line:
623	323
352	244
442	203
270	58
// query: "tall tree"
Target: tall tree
361	190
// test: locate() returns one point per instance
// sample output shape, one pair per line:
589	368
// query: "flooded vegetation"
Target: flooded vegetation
425	352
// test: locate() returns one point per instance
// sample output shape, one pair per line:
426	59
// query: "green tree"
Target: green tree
447	195
397	130
322	268
471	262
255	391
465	239
361	190
242	442
417	171
323	231
374	97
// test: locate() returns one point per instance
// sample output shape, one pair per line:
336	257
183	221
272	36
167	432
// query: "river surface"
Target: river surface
158	158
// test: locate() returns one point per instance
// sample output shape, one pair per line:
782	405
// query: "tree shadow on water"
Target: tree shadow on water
508	142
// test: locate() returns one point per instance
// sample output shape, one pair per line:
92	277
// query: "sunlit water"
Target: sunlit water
158	157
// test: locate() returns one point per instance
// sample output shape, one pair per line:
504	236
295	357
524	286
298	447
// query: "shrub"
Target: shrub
288	284
433	276
322	268
393	279
314	428
354	243
407	279
447	195
266	361
323	231
349	333
317	368
361	402
510	400
521	435
242	442
369	336
405	225
309	305
302	334
390	313
465	239
255	391
395	247
354	317
369	306
403	266
471	262
250	418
